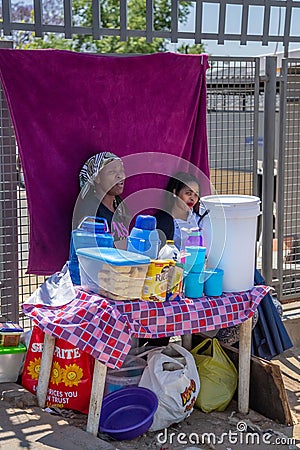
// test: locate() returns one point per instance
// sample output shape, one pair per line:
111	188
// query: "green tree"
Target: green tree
110	18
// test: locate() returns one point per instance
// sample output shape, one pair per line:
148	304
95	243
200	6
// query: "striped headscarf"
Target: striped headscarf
91	168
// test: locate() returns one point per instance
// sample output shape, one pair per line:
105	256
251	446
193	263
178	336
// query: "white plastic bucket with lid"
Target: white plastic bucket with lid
229	233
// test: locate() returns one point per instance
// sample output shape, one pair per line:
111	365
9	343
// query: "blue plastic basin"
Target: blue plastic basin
128	413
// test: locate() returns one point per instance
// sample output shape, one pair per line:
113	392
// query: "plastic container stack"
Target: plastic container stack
193	267
116	274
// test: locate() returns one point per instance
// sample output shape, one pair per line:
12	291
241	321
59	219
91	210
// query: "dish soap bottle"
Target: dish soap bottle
194	238
169	251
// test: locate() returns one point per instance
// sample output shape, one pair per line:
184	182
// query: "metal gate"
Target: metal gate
253	133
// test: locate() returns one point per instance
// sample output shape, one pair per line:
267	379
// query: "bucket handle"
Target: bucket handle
94	219
201	217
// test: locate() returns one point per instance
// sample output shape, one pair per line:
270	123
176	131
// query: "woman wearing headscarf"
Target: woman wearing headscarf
101	182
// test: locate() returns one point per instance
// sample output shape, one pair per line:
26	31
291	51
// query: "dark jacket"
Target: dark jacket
165	226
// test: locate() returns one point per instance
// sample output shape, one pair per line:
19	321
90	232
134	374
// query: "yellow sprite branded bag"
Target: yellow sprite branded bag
218	376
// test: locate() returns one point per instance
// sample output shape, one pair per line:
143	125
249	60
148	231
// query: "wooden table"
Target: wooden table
100	375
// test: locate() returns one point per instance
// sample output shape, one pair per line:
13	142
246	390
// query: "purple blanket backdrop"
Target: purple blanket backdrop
67	106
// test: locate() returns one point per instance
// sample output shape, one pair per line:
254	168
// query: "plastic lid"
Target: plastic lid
113	256
194	231
10	327
145	222
21	348
231	199
94	227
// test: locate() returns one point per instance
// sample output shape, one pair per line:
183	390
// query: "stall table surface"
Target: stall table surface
104	328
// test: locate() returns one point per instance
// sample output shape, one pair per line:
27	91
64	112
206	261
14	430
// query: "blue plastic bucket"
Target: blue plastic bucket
213	282
193	285
195	259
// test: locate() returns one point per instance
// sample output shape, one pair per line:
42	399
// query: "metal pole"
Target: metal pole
268	168
281	175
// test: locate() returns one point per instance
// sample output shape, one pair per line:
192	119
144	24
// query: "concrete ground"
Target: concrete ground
24	425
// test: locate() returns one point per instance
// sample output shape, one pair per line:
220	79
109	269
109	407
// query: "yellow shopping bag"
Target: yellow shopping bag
218	376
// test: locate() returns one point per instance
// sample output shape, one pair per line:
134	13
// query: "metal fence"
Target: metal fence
235	113
288	204
254	137
254	141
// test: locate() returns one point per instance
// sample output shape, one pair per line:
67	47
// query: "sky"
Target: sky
255	26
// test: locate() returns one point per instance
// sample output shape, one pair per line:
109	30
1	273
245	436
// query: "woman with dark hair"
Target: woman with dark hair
181	211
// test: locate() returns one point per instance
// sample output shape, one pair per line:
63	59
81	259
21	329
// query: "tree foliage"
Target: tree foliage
110	18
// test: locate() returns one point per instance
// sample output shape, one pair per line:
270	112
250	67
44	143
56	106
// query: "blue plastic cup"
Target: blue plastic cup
195	259
213	282
193	285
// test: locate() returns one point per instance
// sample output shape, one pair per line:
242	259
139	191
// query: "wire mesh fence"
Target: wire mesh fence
289	189
232	121
16	285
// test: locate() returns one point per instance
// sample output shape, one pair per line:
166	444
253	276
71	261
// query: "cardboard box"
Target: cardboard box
10	333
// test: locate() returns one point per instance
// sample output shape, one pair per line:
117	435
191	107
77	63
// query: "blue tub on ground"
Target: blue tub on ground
128	413
128	375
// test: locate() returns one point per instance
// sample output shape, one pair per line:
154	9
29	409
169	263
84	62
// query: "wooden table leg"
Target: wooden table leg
244	366
96	398
45	369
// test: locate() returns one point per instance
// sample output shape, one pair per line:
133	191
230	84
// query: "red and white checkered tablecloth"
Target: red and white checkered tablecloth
104	328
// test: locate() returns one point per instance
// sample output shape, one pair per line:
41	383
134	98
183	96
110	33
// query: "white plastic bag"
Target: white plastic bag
174	379
57	290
